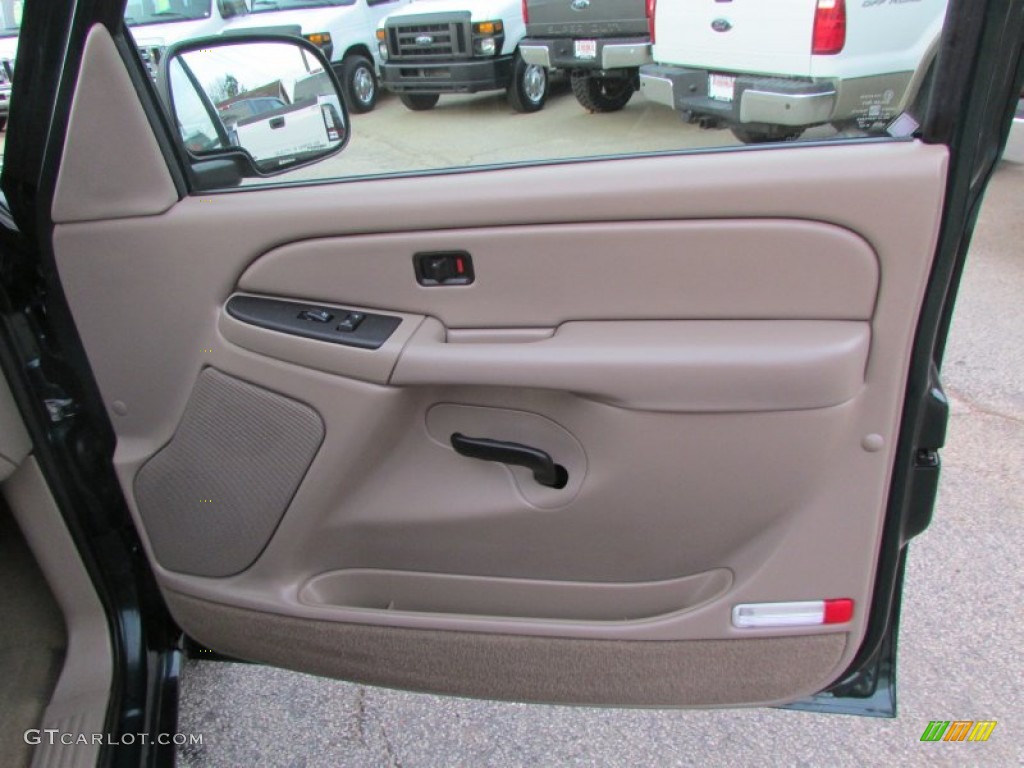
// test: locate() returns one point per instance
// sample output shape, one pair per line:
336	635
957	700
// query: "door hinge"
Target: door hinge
60	408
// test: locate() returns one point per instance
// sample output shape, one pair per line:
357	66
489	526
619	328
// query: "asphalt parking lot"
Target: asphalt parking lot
960	641
479	129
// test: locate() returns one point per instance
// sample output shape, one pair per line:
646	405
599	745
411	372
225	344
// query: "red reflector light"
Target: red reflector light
650	6
838	611
829	27
526	12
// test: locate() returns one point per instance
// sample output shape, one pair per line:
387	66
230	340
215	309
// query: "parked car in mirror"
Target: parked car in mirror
768	71
267	104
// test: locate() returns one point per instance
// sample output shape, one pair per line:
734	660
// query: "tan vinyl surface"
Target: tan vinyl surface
724	336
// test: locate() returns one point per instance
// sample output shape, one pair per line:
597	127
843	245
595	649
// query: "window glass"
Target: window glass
271	6
10	17
195	125
11	12
165	11
468	83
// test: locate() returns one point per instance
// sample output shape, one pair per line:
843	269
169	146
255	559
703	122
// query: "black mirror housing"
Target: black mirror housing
265	103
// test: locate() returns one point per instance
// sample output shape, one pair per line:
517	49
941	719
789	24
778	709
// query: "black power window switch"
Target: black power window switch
316	315
351	321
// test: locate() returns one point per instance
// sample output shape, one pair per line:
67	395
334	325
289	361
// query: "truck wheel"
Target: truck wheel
762	135
359	83
3	123
600	94
419	102
529	87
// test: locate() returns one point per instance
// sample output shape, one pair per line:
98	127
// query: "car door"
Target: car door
650	429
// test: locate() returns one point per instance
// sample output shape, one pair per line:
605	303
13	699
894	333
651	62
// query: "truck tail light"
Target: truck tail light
829	27
526	12
650	6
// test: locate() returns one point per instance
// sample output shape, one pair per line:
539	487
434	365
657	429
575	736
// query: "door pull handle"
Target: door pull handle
545	470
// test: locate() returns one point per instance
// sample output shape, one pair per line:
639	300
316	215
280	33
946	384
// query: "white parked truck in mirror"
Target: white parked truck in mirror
286	131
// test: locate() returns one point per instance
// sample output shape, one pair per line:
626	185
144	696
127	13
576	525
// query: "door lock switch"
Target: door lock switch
316	315
443	268
351	321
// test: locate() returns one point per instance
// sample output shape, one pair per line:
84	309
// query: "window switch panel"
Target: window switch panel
348	327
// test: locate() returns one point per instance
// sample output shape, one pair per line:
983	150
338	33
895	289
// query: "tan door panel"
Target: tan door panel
639	270
714	347
691	365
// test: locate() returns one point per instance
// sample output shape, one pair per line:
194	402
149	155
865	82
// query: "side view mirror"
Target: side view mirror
252	105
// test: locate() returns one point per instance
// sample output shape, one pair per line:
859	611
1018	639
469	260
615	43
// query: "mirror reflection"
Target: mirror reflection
272	99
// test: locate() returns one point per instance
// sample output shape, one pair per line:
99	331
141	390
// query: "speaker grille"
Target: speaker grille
212	497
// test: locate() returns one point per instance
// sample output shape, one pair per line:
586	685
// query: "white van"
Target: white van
344	30
459	46
156	24
10	26
769	70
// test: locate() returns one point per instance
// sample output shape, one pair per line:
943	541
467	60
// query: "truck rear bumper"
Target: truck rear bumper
755	98
612	53
447	77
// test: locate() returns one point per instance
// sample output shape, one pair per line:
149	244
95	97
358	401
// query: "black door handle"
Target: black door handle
545	471
276	122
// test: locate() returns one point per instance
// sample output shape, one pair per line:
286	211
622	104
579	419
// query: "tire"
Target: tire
359	83
419	102
600	94
3	123
765	134
529	87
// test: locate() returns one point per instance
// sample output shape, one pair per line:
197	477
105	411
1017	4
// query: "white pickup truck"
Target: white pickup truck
275	132
770	70
343	29
459	46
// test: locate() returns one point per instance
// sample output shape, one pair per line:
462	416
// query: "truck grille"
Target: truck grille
443	40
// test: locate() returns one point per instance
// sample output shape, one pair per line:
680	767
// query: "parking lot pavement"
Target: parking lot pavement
959	646
480	129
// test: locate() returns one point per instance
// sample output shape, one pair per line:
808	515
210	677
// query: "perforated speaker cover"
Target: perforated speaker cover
212	497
